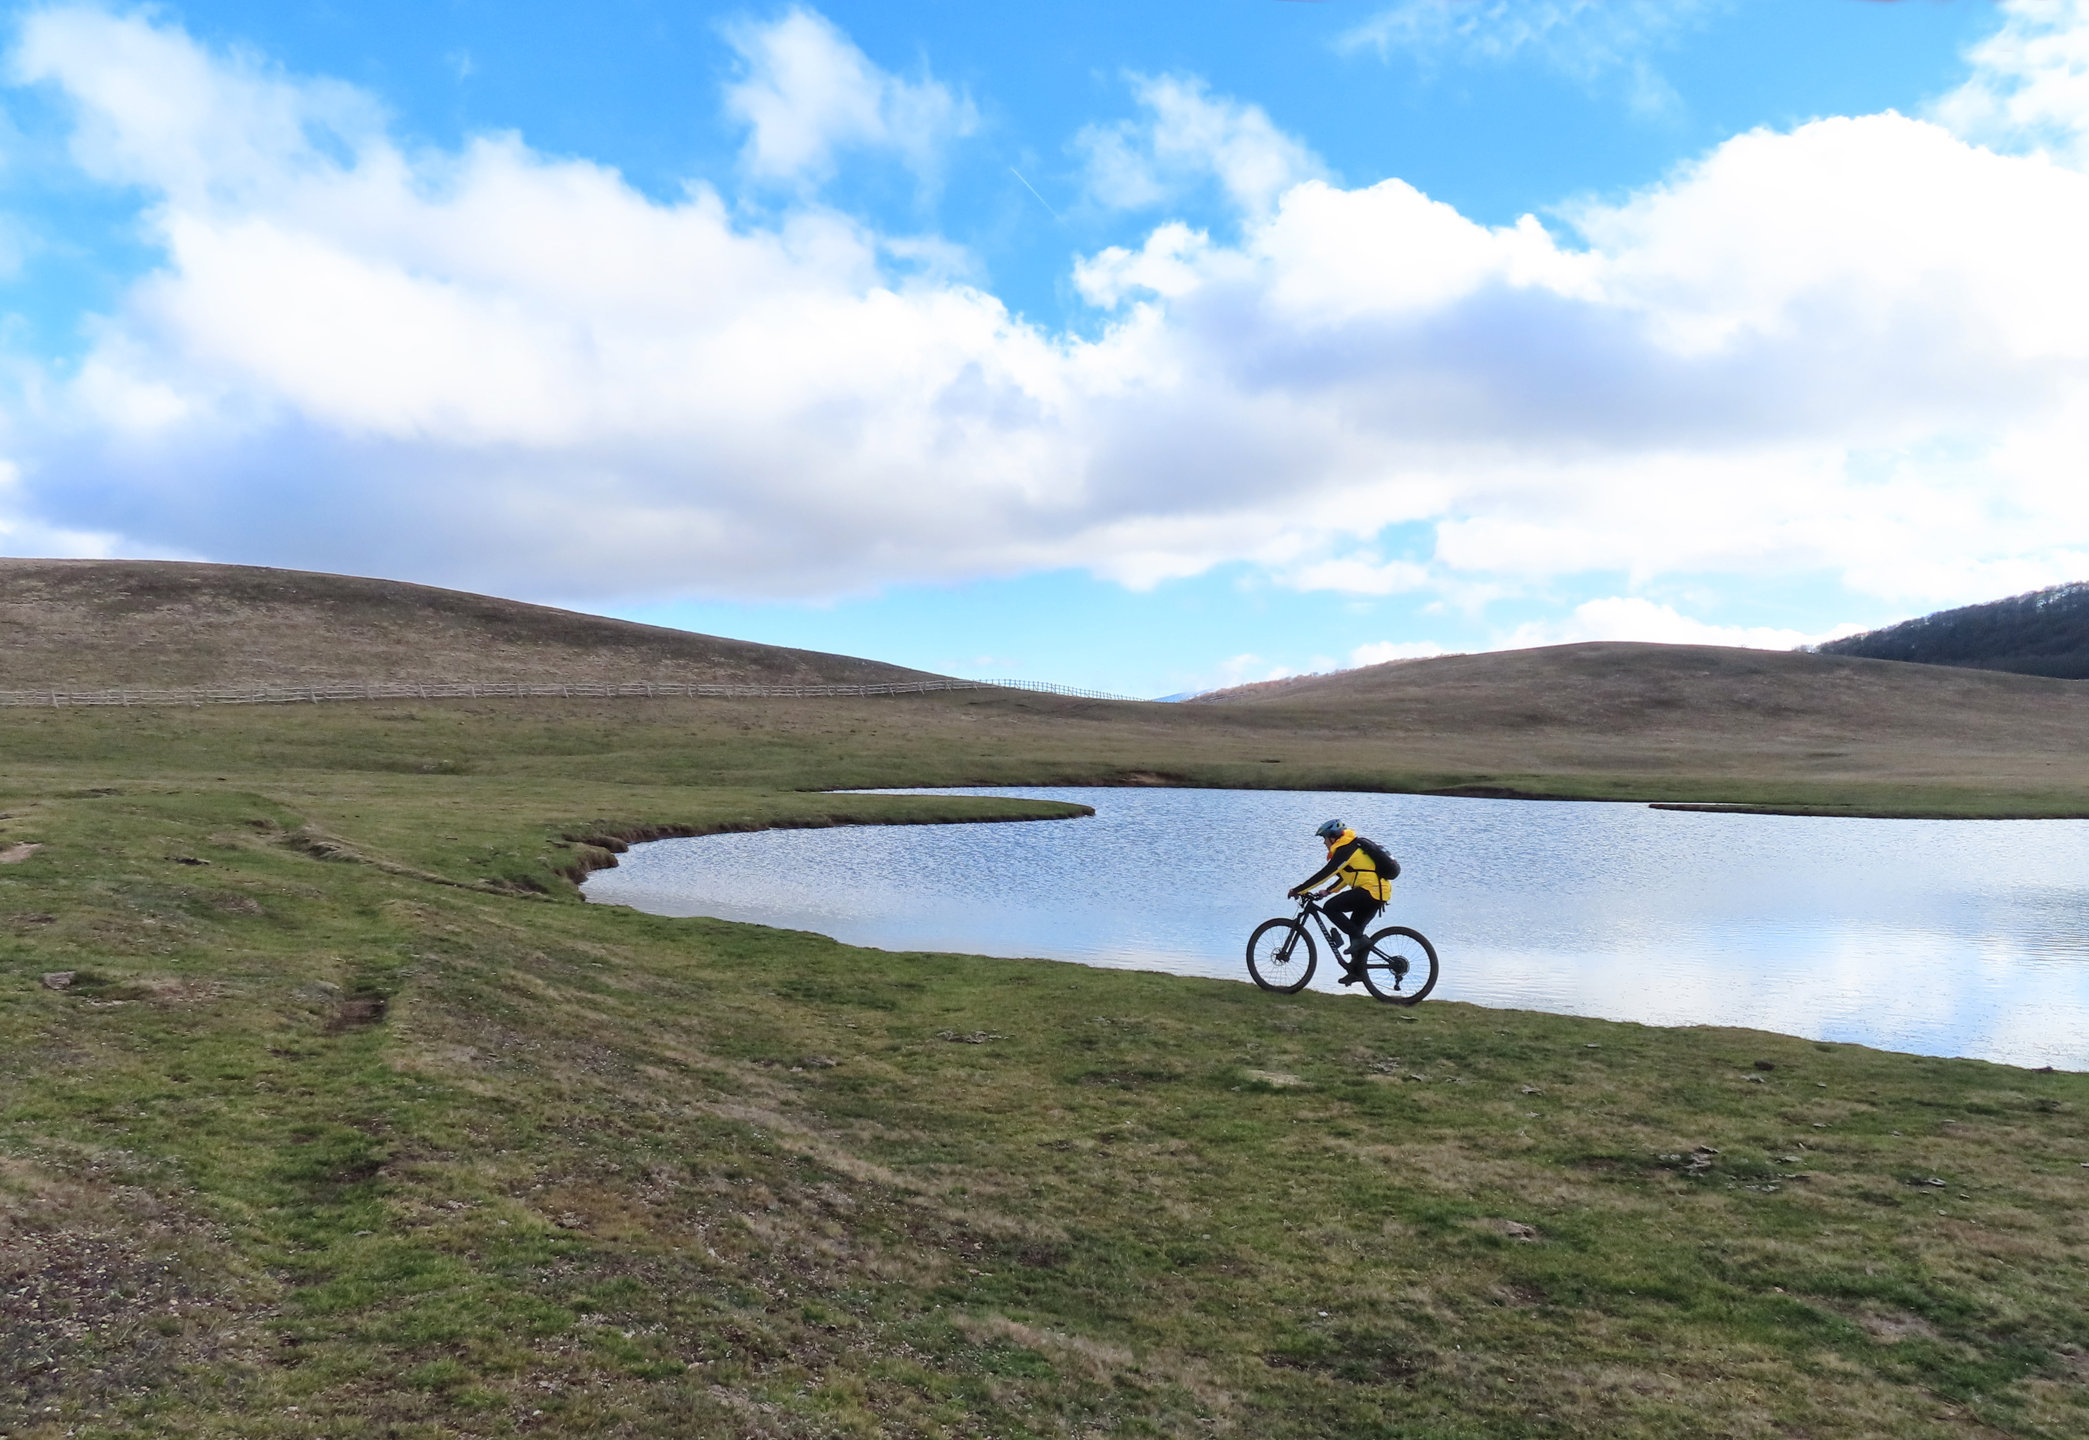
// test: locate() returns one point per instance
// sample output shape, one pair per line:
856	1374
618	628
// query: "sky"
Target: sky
1146	348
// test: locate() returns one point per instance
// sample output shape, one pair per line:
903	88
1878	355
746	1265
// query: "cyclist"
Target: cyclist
1368	872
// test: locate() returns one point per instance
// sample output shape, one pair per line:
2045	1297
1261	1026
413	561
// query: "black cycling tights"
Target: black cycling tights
1351	911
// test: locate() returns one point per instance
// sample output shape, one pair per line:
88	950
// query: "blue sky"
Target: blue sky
1142	347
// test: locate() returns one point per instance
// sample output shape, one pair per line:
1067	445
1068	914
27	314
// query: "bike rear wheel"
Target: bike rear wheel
1281	955
1401	966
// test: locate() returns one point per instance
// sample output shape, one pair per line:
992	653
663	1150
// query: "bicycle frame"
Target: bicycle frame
1330	934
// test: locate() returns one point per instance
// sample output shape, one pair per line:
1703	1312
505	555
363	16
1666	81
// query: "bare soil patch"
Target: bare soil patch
107	1293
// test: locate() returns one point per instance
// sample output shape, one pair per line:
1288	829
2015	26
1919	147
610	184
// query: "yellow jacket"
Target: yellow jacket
1353	864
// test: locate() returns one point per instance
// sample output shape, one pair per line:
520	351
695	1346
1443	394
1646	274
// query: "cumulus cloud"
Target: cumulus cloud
152	109
1251	669
1857	346
1360	574
2031	80
1614	617
806	93
1858	349
1384	651
1632	617
367	357
1186	137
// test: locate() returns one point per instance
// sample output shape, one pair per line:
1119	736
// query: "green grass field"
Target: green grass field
354	1121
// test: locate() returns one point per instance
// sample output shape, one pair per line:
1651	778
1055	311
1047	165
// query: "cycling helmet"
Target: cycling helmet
1330	829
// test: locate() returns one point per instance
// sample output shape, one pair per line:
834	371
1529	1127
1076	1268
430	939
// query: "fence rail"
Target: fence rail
318	694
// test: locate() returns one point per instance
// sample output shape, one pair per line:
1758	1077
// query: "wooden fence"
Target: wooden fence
319	694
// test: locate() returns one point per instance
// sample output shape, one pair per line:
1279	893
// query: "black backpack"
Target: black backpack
1387	865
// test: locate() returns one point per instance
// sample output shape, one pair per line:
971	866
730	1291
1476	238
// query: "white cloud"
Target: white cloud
380	360
1857	350
154	110
1859	347
1616	617
1186	137
806	92
1252	669
1364	574
1385	651
2030	81
1631	617
1241	669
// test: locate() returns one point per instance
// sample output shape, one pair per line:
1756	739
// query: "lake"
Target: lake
1961	937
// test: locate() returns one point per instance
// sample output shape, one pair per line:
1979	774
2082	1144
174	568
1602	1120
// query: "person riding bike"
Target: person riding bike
1367	872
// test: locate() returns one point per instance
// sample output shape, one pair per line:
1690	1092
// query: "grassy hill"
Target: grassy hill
1685	724
93	624
1627	719
353	1121
2043	632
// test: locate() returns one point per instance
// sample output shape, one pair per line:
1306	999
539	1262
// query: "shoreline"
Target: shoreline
600	846
630	835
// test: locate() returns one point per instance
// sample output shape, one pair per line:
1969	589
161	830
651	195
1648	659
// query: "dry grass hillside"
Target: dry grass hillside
1633	709
1676	723
89	624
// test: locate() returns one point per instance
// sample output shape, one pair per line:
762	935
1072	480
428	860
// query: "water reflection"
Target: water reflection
1941	937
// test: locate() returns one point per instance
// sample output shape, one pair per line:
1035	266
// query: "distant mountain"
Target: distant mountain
2045	632
91	624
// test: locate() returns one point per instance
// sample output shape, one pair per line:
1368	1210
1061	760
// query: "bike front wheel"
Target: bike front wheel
1401	966
1281	955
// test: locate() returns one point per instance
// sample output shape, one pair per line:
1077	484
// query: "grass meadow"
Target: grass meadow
354	1120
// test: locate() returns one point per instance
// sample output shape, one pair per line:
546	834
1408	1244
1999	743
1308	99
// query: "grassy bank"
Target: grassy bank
354	1121
1927	760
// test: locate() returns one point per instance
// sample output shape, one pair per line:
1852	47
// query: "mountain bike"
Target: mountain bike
1399	964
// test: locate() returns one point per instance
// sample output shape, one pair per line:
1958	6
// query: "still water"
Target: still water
1966	937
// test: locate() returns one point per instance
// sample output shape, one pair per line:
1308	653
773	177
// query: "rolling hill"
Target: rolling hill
1692	710
90	624
2042	632
1680	723
1642	693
